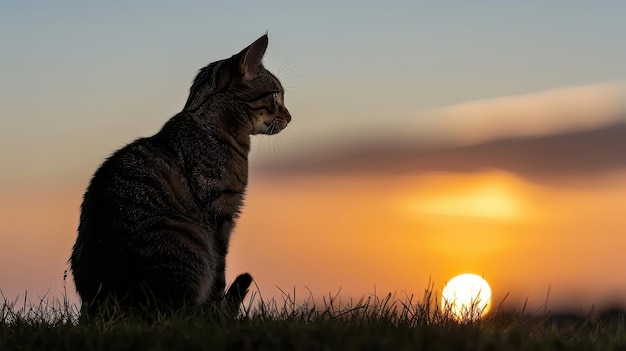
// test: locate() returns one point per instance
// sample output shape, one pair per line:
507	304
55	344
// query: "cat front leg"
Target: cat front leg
219	284
223	226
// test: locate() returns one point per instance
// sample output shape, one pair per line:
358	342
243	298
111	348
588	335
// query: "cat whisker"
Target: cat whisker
287	83
284	67
271	148
290	78
279	145
286	133
286	74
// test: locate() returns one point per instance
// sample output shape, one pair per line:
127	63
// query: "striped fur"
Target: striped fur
205	84
157	216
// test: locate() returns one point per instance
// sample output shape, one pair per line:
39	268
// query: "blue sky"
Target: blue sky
79	79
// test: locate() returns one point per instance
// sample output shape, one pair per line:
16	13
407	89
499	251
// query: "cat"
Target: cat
157	216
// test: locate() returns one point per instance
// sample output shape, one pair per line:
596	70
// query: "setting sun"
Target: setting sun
466	297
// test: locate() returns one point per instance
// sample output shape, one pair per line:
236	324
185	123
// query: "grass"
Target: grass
372	323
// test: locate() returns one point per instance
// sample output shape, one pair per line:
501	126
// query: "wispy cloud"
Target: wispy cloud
557	111
566	109
540	157
569	131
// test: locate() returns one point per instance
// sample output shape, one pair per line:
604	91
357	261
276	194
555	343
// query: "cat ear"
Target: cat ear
210	80
250	57
222	77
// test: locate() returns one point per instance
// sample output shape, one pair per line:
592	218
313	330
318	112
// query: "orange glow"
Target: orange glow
491	196
372	233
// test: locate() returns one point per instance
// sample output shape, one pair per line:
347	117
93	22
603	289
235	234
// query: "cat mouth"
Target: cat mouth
274	127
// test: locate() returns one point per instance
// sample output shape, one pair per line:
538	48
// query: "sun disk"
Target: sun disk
466	297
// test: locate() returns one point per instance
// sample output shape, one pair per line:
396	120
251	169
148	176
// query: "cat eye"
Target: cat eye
273	94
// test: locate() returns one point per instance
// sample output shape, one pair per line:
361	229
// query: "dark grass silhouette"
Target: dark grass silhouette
371	323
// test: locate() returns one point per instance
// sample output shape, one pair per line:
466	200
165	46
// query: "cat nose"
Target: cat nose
287	114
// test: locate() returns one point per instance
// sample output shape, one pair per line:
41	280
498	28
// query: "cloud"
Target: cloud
578	153
543	113
573	130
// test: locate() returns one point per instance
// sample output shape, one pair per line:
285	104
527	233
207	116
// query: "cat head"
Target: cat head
242	84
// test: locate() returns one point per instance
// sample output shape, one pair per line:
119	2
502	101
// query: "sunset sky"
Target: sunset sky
428	140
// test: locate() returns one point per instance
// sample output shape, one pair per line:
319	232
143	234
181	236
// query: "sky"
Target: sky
427	140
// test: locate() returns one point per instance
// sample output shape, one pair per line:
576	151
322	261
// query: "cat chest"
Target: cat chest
227	203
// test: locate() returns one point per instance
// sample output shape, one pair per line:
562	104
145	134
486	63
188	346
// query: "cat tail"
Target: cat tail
238	290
